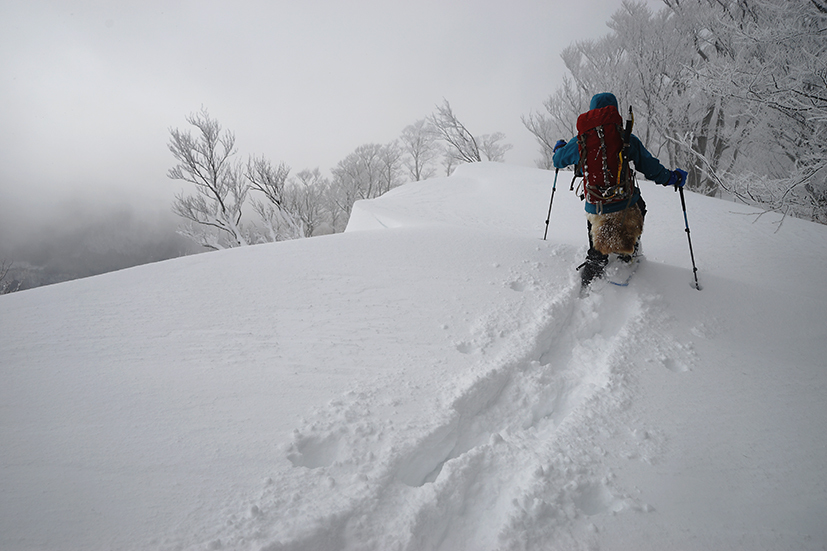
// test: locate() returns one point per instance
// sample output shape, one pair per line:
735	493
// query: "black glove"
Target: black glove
558	145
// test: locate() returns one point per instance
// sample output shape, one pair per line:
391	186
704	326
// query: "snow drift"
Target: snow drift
429	380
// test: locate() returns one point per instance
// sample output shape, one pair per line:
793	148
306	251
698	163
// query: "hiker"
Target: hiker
615	210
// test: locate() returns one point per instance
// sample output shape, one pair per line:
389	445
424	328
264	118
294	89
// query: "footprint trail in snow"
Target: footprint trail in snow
512	456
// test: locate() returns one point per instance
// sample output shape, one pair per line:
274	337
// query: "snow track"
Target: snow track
508	458
428	381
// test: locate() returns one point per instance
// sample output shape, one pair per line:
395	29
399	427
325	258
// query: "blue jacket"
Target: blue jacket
644	161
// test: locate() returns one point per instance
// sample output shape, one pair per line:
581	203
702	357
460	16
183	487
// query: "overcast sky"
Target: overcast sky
90	89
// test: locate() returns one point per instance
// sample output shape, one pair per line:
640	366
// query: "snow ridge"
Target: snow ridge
429	380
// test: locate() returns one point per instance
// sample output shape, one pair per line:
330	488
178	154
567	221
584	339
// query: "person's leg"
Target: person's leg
641	205
595	261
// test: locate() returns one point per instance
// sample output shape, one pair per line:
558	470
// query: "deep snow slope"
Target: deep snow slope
429	380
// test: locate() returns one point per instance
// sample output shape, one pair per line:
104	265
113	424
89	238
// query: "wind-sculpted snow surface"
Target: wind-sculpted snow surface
429	380
516	453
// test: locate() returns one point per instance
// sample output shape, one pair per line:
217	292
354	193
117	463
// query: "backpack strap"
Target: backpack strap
601	135
623	172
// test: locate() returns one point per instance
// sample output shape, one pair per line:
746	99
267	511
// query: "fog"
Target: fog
82	239
90	89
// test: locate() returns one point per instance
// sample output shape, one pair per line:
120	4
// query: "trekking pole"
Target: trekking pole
689	238
551	201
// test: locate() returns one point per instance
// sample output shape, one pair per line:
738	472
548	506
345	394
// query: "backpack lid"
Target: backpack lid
598	117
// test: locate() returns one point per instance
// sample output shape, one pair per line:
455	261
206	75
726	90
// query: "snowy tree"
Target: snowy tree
679	121
205	160
267	179
368	172
650	61
279	223
306	199
492	148
462	145
223	187
419	143
449	160
360	175
562	109
775	71
5	286
543	129
593	67
390	157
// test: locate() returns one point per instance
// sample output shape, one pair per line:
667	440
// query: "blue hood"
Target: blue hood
603	100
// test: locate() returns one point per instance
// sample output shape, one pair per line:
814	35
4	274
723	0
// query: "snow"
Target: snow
430	379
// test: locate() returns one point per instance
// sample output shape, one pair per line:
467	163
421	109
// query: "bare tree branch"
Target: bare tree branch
449	128
204	160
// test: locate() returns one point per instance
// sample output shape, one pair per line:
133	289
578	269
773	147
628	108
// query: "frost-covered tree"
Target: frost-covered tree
419	143
222	189
462	145
449	160
562	109
492	148
205	160
279	222
679	121
268	179
734	91
593	67
5	287
773	71
306	195
391	160
360	175
649	61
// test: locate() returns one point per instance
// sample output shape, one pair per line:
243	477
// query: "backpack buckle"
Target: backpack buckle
615	192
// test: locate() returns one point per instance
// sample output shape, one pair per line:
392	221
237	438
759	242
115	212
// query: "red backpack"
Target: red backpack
600	138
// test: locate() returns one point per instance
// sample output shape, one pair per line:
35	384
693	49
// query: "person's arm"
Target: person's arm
567	155
646	163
